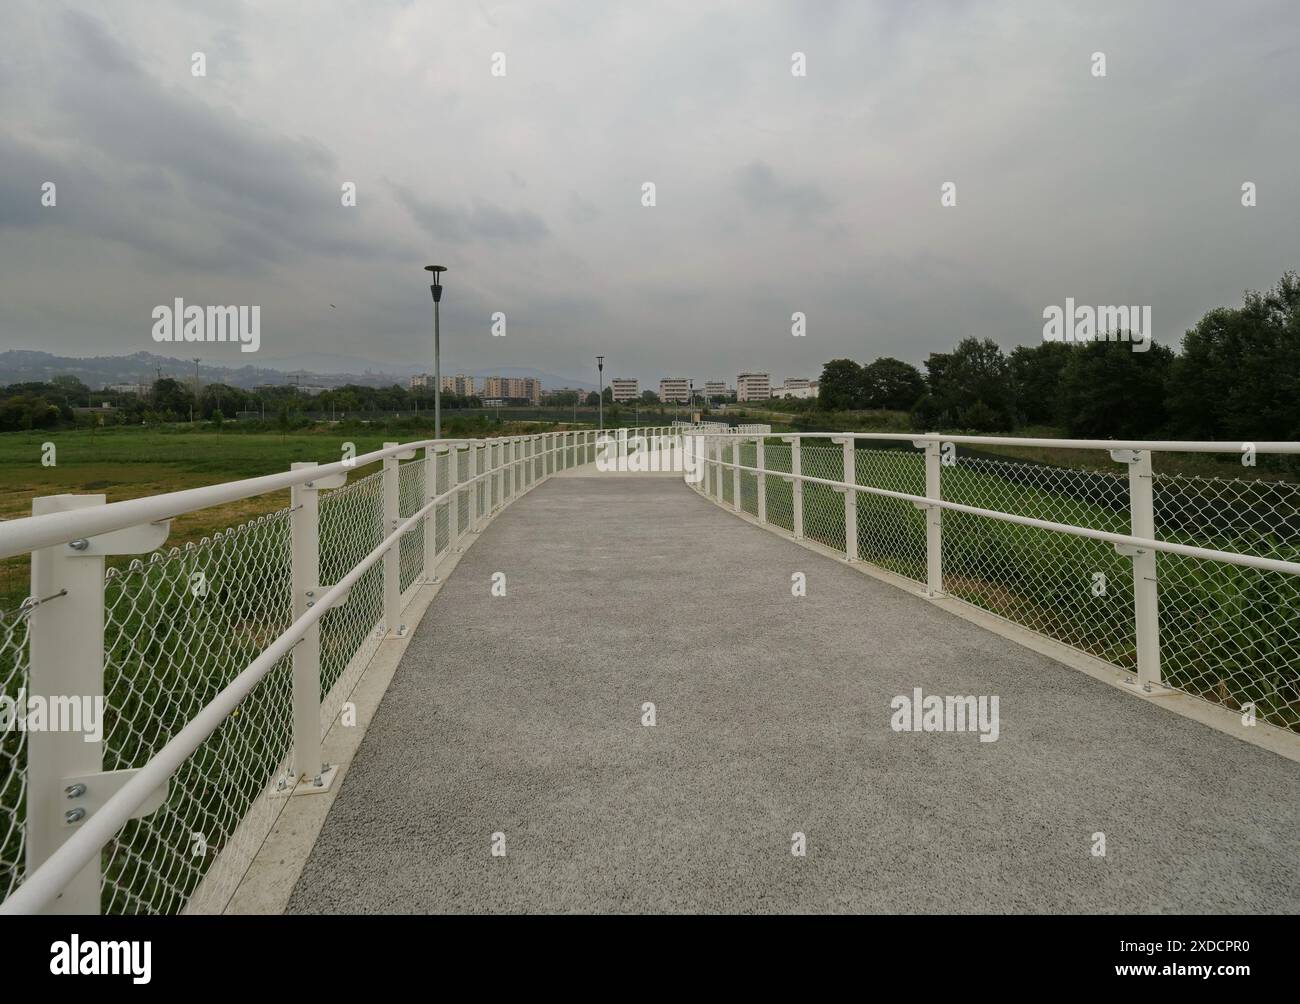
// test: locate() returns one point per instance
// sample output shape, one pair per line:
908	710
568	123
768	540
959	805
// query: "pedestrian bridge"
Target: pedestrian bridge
799	675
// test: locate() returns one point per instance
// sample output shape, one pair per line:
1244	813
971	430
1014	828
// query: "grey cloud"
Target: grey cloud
763	191
480	220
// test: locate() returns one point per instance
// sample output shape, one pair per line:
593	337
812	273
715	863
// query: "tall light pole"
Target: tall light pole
600	394
436	290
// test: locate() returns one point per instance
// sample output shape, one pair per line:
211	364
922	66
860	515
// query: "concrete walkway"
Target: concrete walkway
522	714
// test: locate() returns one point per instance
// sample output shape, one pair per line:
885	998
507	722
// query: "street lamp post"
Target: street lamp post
436	289
600	394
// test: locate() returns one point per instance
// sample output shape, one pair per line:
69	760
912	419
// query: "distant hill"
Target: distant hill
25	365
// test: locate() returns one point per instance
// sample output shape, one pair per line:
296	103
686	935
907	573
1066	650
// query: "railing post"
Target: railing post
66	780
796	485
431	520
479	468
453	500
735	475
392	557
717	482
762	478
1146	589
67	660
850	499
933	517
304	575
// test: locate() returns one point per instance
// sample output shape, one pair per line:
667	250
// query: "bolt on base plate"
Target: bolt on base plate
308	785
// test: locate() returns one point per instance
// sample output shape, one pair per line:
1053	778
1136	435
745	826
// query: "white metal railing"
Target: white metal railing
220	665
1186	583
722	428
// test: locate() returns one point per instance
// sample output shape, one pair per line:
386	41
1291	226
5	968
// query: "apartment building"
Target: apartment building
753	387
715	389
513	389
796	383
625	389
458	384
674	390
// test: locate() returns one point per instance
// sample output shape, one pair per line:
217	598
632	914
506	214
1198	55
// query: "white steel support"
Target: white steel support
735	475
430	521
762	479
392	557
796	485
65	778
717	459
453	501
850	499
1146	589
304	575
933	519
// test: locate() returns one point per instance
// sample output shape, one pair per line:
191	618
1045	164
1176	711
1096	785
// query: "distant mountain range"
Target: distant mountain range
315	369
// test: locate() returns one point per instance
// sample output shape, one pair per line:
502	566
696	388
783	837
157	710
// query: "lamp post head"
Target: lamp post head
436	288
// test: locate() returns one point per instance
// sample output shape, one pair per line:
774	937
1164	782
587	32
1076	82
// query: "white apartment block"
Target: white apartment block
625	389
753	387
674	389
715	388
796	383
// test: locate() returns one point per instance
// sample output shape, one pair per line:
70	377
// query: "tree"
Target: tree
974	373
593	399
841	385
1239	373
1036	372
171	398
891	383
1109	391
649	397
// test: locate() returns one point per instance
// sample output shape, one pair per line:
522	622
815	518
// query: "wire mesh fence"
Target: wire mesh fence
1229	634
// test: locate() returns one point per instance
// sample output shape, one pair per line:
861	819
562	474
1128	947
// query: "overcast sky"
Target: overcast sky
775	193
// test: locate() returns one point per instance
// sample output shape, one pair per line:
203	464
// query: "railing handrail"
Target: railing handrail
1107	536
1154	445
28	533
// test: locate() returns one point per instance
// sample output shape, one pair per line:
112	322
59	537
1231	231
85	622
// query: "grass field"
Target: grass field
125	463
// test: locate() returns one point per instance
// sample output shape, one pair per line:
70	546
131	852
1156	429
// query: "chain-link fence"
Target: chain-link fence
1228	634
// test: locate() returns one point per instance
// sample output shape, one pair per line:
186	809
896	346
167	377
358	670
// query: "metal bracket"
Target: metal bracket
1126	456
842	440
926	506
1130	550
790	439
337	480
787	479
89	792
140	539
285	788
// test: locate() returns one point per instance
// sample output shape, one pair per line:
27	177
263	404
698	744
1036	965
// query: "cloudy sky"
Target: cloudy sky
775	193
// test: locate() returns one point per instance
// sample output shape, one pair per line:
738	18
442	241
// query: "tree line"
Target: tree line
1236	377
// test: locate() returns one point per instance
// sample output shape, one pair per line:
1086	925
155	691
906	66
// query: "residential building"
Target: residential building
753	387
715	389
796	383
513	389
459	384
674	390
625	389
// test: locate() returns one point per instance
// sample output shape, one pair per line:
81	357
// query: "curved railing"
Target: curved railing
203	678
1180	582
